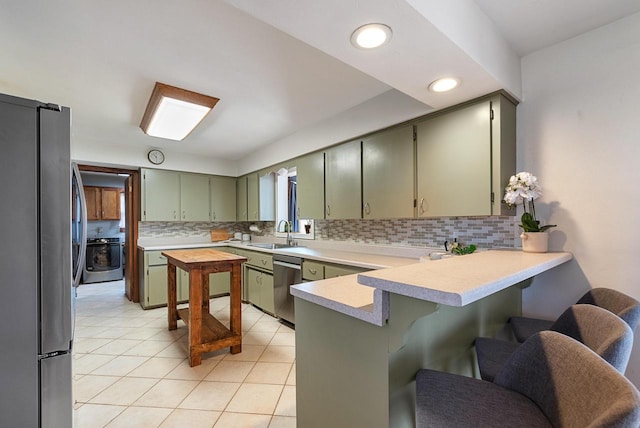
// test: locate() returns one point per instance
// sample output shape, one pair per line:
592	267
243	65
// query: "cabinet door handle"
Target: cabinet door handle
259	279
184	214
214	215
312	271
174	215
298	211
264	262
367	208
421	210
328	210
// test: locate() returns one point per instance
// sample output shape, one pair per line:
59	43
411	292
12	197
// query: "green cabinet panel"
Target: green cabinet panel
253	197
267	196
454	162
241	199
153	279
332	271
252	285
182	285
219	283
260	289
258	280
261	196
503	151
388	174
160	195
267	302
157	286
310	182
343	189
223	198
194	197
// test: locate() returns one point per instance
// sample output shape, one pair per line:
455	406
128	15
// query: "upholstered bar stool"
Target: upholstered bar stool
600	330
624	306
551	380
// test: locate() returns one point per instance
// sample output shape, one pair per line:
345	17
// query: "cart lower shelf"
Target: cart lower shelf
214	334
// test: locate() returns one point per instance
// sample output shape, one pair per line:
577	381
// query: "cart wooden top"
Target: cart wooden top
201	256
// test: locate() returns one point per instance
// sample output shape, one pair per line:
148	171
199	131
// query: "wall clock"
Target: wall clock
155	156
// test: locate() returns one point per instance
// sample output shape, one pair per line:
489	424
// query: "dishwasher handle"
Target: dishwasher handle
287	265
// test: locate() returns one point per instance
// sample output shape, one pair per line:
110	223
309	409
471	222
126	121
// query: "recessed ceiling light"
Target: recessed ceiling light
371	36
445	84
173	113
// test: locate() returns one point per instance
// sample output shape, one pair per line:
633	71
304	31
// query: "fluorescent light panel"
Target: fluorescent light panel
173	112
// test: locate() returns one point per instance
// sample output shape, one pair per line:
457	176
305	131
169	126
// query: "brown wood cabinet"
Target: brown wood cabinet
103	203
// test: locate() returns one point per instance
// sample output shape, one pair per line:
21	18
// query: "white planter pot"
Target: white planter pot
535	242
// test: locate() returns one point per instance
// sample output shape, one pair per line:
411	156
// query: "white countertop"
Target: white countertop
360	255
455	281
458	281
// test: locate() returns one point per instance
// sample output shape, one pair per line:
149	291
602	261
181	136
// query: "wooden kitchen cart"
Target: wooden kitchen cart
206	333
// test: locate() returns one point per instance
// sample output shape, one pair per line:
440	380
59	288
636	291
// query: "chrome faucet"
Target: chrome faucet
287	228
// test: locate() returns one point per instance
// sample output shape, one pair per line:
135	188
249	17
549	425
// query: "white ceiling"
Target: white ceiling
278	67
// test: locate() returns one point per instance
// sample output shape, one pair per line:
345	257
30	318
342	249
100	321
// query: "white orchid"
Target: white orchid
524	187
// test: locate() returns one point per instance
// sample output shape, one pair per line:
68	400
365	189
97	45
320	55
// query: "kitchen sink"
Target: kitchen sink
269	246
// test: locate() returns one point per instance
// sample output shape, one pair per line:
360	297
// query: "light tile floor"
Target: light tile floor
130	371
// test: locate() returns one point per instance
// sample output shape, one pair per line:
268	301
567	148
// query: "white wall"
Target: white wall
579	132
135	156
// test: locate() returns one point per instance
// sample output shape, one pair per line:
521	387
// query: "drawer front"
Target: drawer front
312	271
261	260
155	258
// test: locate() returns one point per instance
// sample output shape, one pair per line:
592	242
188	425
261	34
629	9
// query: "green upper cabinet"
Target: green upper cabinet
465	157
267	195
454	162
241	198
194	197
160	195
343	188
503	150
223	198
310	182
387	174
253	197
261	196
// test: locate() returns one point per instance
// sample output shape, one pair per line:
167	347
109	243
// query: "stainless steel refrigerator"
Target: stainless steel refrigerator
37	263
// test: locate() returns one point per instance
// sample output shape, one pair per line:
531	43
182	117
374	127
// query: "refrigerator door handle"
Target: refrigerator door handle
77	273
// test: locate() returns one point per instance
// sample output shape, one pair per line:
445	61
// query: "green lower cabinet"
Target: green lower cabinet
153	281
259	286
266	293
182	285
156	286
219	283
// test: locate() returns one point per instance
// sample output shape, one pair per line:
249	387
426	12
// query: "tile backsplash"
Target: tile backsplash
484	232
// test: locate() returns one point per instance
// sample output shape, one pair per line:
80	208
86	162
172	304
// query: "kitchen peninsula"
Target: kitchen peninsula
360	339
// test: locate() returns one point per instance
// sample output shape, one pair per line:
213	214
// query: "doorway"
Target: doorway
129	227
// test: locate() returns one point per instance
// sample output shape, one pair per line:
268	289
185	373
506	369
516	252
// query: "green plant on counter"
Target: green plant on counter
460	249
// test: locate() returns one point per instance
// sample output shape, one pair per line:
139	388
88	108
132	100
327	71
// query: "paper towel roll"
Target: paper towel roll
254	228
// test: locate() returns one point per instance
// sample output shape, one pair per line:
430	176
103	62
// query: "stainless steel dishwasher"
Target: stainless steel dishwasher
287	271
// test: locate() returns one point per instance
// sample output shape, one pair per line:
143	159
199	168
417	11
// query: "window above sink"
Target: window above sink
286	208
